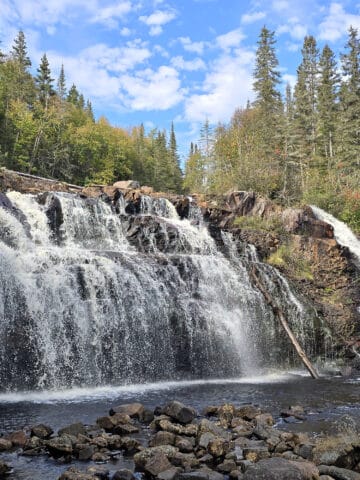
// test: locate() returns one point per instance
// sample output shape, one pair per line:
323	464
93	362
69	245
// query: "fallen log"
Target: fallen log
280	315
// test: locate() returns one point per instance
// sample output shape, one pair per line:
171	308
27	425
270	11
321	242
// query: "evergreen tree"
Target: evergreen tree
174	161
19	52
268	98
327	102
61	84
73	95
44	82
350	101
89	110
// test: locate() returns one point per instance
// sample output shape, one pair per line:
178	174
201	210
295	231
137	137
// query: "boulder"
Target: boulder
130	445
185	444
170	474
59	446
201	474
123	474
156	464
134	410
5	444
85	452
248	412
189	430
75	474
41	431
280	469
339	473
99	472
74	429
218	447
144	455
209	426
18	439
226	466
125	429
4	469
162	438
205	438
179	412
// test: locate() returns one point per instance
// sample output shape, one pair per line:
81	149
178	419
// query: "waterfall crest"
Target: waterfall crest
90	295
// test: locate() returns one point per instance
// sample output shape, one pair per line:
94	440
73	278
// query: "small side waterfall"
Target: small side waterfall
92	296
343	234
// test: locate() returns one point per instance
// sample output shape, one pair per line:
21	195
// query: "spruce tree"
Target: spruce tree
44	82
73	95
19	52
175	161
268	99
328	88
61	84
350	101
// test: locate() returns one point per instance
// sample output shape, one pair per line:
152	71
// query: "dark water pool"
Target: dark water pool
330	402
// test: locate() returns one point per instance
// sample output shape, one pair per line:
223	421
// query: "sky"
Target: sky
161	61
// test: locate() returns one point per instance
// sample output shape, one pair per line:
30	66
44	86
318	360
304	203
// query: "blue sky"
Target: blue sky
157	61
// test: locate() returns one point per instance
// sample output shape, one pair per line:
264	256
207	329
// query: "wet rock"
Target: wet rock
134	410
209	426
264	420
130	445
254	454
186	460
295	411
106	423
226	413
41	431
190	430
156	464
85	452
100	457
185	444
226	466
115	442
304	450
4	469
75	474
144	455
33	442
201	474
210	411
205	438
99	472
123	474
5	445
338	473
125	429
236	475
100	441
59	446
162	438
179	412
170	474
280	469
218	447
147	416
248	412
18	439
74	429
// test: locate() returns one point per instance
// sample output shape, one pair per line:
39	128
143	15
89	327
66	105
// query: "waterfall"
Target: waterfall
92	296
342	232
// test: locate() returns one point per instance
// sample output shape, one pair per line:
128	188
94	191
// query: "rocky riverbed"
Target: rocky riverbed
175	442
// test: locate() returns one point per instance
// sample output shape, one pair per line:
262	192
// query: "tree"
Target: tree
19	52
73	95
328	107
61	84
176	179
44	82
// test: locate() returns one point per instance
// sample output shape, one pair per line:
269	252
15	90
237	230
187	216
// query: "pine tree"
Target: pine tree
268	98
73	95
350	101
89	110
327	102
61	84
44	82
174	161
19	52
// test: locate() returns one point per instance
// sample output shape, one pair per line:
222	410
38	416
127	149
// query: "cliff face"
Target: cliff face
293	240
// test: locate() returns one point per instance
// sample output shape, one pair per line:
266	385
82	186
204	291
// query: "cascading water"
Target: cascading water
342	232
90	296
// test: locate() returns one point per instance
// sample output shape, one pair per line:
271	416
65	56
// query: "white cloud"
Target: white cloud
153	90
294	28
190	65
125	32
289	78
194	47
252	17
156	21
110	15
227	86
230	39
337	23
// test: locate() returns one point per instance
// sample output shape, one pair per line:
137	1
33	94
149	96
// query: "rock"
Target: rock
41	431
205	438
147	416
4	469
189	430
18	439
226	466
134	410
125	429
144	455
210	411
99	472
226	413
338	473
59	446
74	429
185	445
33	442
218	447
296	411
207	458
170	474
208	426
124	474
254	454
75	474
156	464
106	423
264	420
115	442
304	450
186	460
126	184
179	412
236	475
326	477
162	438
280	469
202	474
248	412
100	457
85	452
5	445
130	445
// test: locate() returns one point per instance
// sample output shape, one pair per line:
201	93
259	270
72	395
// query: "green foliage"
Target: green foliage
271	224
53	133
292	261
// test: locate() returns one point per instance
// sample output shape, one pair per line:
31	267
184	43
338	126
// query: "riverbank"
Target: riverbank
325	426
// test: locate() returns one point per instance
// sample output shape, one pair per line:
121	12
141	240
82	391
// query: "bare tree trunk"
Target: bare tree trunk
278	312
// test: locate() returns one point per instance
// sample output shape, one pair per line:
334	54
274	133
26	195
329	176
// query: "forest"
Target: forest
302	146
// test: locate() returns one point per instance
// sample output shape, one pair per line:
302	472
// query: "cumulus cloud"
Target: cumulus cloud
294	28
153	90
337	22
227	85
156	20
252	17
110	15
190	65
230	39
194	47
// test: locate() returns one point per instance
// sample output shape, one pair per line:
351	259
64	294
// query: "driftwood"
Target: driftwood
278	312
